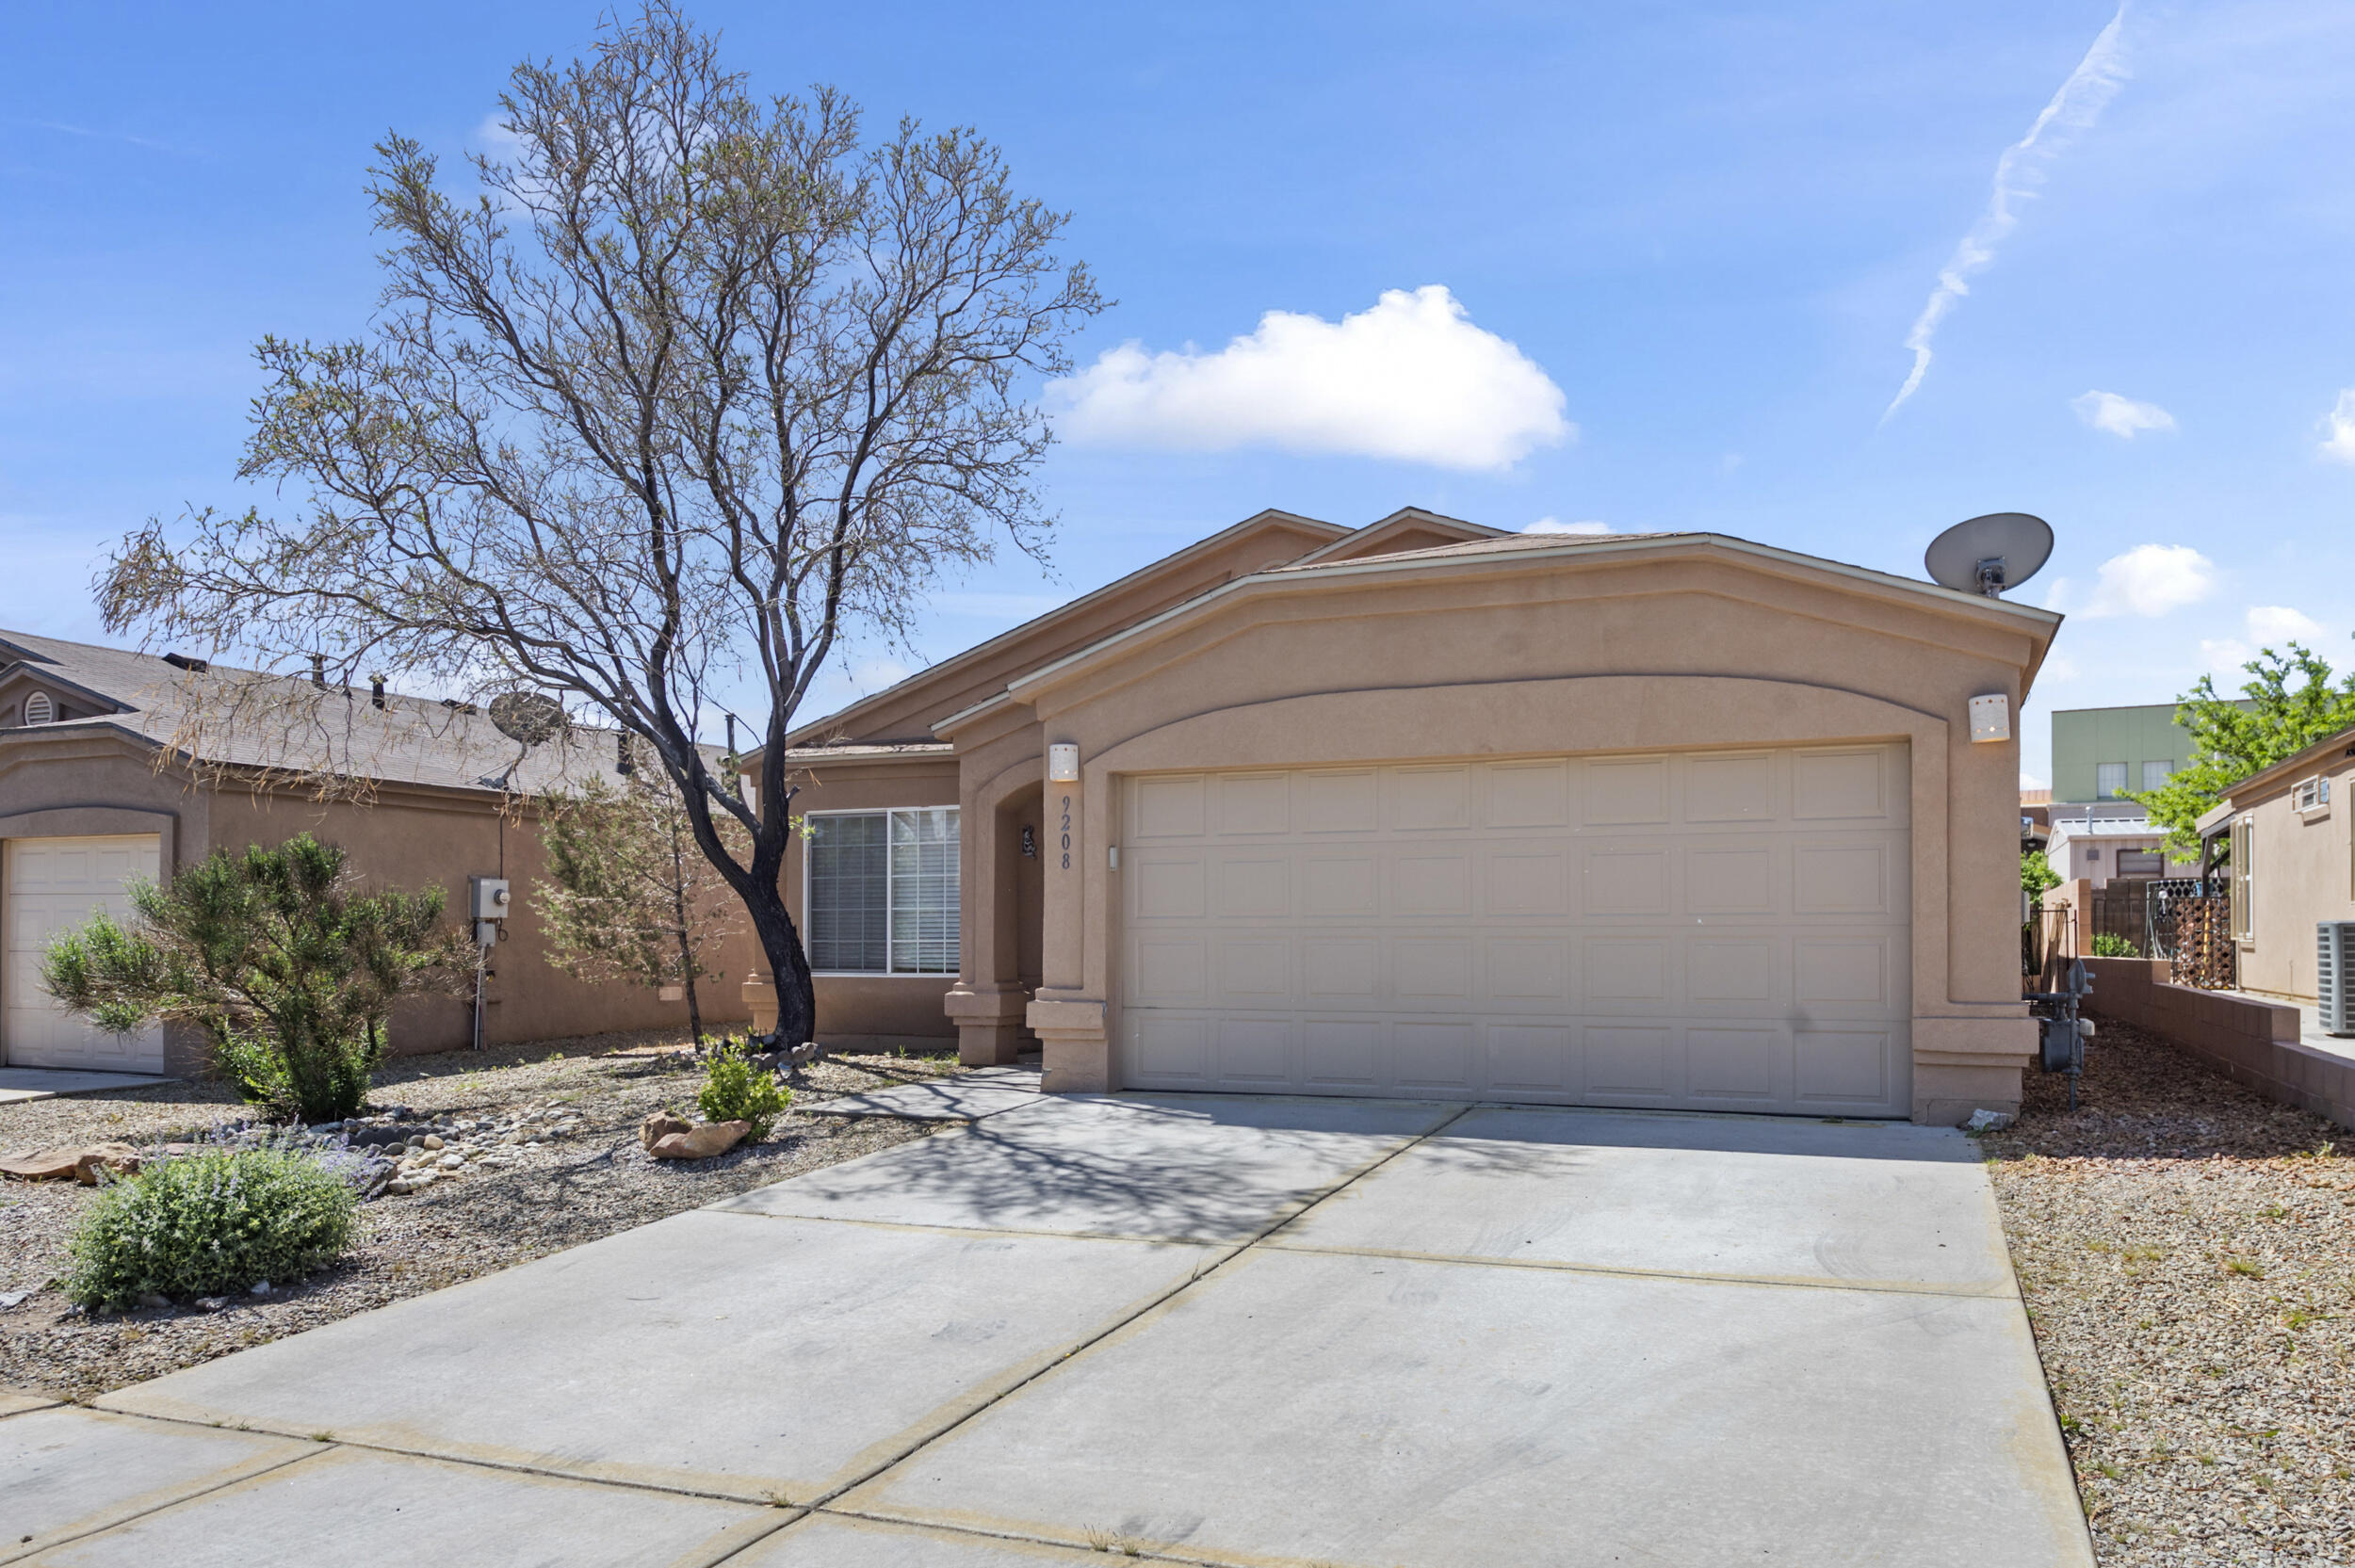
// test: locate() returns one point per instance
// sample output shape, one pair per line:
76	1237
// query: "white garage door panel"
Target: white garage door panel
1724	930
54	885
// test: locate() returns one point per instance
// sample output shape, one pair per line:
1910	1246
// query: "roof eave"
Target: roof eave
2037	621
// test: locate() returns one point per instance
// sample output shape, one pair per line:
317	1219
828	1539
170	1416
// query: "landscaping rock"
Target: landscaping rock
661	1124
119	1158
81	1165
713	1138
42	1165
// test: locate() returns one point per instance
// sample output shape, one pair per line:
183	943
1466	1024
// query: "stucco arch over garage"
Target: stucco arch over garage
1689	646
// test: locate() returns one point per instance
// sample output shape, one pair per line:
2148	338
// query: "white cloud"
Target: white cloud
2274	626
2017	172
2030	781
2277	625
1555	525
2121	416
2339	445
1411	379
2152	579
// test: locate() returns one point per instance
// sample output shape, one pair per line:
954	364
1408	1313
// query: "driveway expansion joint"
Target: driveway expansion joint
1992	1290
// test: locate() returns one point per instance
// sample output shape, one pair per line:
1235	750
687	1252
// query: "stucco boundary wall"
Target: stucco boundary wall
2252	1042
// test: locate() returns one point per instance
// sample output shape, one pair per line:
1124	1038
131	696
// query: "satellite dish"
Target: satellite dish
526	717
1988	555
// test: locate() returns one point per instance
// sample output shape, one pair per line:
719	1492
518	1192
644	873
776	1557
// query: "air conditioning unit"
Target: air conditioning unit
2334	975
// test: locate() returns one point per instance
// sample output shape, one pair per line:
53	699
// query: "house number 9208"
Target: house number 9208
1066	832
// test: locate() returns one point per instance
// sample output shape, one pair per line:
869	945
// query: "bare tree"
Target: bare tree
692	390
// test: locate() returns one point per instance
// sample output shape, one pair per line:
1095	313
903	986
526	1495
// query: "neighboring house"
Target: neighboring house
2102	753
2292	861
2036	819
96	789
1418	809
2100	841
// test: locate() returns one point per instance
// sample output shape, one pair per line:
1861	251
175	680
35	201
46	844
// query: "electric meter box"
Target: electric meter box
489	898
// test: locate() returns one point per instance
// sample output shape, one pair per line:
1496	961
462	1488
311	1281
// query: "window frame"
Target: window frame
2244	883
2115	793
886	973
2166	771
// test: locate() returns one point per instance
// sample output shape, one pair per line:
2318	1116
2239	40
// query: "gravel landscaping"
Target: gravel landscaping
574	1171
2187	1252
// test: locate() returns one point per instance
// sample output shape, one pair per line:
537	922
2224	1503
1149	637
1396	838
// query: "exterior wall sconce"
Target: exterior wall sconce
1062	763
1990	719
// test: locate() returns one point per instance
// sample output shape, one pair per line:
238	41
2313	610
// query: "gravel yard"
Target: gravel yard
571	1189
2187	1250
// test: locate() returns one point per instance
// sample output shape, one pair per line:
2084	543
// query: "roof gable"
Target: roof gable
907	710
1408	528
1518	552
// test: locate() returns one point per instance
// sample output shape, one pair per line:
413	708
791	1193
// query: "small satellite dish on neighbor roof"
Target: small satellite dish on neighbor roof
1988	555
526	717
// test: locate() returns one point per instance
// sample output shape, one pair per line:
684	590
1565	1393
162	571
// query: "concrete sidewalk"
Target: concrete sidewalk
1209	1330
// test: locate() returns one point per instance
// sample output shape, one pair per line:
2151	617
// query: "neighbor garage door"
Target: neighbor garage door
1718	930
54	884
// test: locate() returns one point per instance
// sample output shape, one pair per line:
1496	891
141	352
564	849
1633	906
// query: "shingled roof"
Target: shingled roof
310	730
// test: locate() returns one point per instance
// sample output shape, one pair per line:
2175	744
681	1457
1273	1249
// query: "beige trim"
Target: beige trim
1287	579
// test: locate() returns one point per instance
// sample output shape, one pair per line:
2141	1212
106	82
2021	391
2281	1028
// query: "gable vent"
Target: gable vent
38	709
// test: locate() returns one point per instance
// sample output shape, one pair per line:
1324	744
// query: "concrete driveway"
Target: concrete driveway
1204	1329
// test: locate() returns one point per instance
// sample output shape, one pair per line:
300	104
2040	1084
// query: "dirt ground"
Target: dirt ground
2187	1252
559	1194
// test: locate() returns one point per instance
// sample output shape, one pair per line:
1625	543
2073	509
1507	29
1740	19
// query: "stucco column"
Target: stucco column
1069	1021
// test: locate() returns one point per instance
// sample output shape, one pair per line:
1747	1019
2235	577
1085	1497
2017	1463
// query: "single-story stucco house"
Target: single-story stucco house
2291	863
105	777
1422	809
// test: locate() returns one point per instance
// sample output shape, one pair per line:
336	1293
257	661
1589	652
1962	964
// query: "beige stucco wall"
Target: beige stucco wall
1531	658
874	1011
67	783
2305	873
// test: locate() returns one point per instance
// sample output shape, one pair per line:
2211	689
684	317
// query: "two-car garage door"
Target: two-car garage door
53	885
1709	930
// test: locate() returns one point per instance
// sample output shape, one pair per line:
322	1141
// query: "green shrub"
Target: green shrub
287	963
736	1088
2107	945
209	1224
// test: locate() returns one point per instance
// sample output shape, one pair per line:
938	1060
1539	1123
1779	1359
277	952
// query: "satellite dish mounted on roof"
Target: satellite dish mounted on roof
1988	555
528	718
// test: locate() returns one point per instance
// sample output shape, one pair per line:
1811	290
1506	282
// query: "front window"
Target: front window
2244	879
2155	774
2109	779
883	892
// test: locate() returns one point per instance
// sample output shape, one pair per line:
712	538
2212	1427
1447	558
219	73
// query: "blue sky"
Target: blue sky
1683	250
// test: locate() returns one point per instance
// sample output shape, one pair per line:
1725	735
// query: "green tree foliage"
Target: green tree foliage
287	966
629	895
2288	703
2037	876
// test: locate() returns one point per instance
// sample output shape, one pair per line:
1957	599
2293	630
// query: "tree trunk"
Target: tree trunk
687	972
789	966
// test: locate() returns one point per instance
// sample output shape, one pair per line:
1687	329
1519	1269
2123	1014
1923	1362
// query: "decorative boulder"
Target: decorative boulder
713	1138
662	1124
119	1158
81	1165
42	1165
